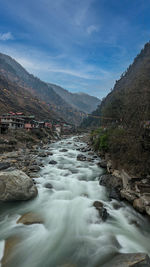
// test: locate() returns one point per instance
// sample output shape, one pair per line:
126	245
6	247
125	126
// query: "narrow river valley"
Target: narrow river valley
72	233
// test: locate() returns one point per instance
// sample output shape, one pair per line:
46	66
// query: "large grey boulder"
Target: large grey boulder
16	185
113	185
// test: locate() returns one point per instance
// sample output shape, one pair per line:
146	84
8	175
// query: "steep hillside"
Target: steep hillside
14	72
15	98
80	101
125	117
129	101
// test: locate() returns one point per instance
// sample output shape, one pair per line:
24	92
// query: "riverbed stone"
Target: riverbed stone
53	162
139	205
129	260
42	154
128	195
85	149
10	246
63	150
4	165
30	218
34	168
91	153
49	153
103	164
113	185
48	185
81	157
102	211
16	185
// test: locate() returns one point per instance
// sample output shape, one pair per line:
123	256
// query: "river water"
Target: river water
73	233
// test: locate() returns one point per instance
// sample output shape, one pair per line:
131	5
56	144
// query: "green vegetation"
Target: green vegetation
127	149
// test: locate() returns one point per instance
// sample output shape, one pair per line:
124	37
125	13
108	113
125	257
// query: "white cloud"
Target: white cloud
6	36
92	28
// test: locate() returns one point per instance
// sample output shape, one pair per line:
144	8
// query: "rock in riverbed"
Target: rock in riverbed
102	211
42	154
4	165
81	157
63	150
30	218
129	260
53	162
113	184
10	246
16	185
48	185
34	168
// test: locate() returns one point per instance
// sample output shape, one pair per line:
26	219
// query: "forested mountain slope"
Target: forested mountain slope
129	101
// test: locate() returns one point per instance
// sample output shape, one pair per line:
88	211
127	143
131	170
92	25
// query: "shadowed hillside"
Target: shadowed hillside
16	98
129	101
64	108
80	101
125	115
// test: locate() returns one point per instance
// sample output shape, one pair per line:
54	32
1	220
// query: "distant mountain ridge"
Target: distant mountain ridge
80	101
15	73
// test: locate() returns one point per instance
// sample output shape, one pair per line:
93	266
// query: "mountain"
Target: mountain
14	98
79	101
15	73
125	119
129	101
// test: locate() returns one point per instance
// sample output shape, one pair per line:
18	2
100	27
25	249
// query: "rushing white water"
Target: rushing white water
73	232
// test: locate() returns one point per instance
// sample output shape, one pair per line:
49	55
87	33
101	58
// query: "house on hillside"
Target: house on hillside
67	128
3	127
12	121
48	125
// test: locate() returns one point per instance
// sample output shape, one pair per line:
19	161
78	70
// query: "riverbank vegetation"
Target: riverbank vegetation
125	147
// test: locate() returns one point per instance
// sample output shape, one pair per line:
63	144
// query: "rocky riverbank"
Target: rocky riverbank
66	175
123	186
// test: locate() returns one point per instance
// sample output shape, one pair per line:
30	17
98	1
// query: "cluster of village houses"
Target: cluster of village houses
19	120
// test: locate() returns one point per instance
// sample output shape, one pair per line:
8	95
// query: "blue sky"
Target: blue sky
82	45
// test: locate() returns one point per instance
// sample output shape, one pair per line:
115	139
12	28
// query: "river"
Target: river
73	233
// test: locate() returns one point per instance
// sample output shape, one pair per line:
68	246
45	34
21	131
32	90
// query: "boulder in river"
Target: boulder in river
53	162
9	249
113	184
48	185
16	185
49	153
85	149
42	154
102	211
63	150
81	157
34	168
30	218
129	260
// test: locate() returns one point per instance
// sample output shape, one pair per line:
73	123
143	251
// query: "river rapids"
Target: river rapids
73	234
